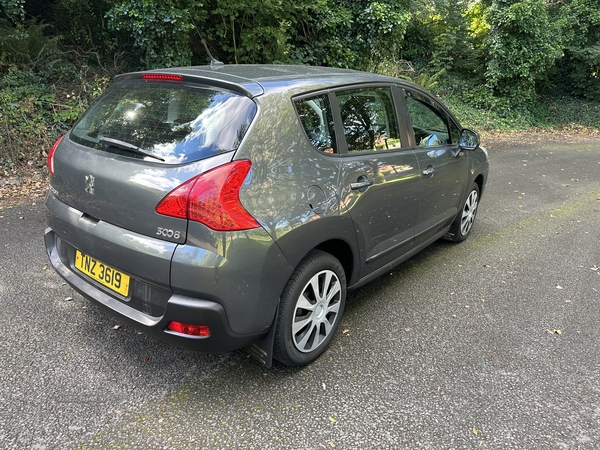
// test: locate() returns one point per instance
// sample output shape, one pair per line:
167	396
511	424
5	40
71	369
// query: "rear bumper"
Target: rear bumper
178	308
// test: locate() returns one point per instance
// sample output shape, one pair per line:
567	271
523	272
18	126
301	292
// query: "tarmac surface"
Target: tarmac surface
492	343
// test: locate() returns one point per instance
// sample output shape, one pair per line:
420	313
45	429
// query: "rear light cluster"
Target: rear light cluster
212	198
192	330
51	155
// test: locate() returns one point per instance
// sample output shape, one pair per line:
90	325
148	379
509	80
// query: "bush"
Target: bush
583	66
27	46
475	106
38	106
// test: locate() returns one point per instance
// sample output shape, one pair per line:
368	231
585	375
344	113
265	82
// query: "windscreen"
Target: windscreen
169	122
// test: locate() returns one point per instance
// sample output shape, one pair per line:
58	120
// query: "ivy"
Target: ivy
522	45
160	27
14	10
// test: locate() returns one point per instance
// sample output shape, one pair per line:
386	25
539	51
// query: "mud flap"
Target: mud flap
262	350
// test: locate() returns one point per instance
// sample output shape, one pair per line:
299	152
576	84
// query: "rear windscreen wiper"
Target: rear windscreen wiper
127	146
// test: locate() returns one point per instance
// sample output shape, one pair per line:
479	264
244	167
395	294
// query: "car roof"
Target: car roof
255	80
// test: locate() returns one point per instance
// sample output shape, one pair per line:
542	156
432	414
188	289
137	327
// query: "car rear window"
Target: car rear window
173	122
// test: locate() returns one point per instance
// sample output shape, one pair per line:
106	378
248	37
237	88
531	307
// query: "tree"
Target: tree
579	70
522	44
160	27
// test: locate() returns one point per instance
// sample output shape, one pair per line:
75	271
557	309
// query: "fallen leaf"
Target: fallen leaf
475	431
345	331
554	331
332	419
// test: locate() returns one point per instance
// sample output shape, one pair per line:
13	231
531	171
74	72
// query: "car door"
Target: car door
379	179
443	168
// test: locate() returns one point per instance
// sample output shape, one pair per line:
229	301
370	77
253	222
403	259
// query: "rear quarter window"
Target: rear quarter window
175	122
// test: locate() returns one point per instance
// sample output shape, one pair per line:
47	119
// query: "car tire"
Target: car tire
463	224
310	309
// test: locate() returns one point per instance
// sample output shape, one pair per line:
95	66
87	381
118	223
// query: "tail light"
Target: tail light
51	155
212	198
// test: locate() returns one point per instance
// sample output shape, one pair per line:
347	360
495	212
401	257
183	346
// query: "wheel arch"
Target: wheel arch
480	182
342	252
333	235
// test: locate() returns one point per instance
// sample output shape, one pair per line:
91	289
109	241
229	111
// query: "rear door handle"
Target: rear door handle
429	172
361	184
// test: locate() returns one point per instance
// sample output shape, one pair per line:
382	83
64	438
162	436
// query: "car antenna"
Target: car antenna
213	62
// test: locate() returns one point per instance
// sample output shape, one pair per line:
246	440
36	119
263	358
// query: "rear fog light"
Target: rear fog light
192	330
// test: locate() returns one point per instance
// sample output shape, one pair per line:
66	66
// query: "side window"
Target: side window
317	121
369	119
429	125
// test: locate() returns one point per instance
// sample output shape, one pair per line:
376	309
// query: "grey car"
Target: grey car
222	207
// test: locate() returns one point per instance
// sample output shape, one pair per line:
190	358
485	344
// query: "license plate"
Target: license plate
102	273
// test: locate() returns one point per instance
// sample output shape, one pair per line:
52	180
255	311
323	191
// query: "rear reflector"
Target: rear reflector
162	76
212	198
51	155
192	330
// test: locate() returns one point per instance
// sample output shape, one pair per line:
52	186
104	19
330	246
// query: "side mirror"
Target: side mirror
469	140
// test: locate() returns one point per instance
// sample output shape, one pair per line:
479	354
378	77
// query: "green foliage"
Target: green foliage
321	38
252	31
579	21
522	45
425	80
451	46
578	72
500	63
87	38
439	36
476	107
27	46
13	10
22	121
160	27
379	31
584	73
343	33
36	107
